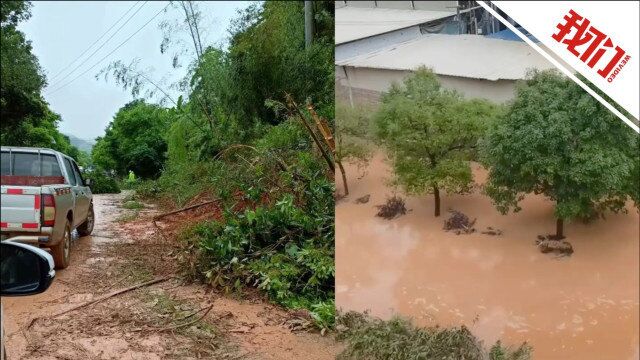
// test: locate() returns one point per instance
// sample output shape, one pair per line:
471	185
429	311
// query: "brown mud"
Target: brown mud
155	322
583	306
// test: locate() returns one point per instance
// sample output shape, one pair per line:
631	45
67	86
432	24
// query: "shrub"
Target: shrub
283	249
101	182
147	189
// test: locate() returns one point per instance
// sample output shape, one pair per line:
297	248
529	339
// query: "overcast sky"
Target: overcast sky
61	31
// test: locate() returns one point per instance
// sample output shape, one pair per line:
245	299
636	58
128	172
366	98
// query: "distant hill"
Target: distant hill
82	144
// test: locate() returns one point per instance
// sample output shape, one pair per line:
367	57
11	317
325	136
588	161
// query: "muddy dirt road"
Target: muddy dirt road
155	322
580	307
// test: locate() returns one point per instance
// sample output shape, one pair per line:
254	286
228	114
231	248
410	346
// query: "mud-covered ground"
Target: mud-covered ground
161	321
583	306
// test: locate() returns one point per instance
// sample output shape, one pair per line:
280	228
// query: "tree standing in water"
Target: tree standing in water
431	134
557	140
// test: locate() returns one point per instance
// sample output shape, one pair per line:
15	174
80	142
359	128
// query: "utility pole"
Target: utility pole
308	23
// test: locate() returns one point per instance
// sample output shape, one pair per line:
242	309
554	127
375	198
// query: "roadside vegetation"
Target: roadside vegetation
239	136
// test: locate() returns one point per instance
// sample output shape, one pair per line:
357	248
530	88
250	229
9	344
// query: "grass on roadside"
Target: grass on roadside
133	205
128	216
398	339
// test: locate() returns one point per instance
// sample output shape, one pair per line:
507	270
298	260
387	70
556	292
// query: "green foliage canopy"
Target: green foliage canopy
135	140
268	57
431	134
558	141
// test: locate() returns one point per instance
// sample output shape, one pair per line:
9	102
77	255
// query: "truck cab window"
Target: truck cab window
69	168
32	164
77	173
5	164
50	166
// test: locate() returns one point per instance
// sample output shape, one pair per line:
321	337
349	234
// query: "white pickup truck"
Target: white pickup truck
43	198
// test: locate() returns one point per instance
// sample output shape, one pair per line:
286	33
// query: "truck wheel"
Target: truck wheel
60	252
87	226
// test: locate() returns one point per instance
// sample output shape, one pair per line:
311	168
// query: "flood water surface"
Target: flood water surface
580	307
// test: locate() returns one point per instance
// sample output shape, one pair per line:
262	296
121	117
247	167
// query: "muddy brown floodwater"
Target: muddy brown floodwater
580	307
134	325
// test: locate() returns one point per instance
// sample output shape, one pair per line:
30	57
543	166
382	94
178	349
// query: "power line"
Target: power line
100	47
112	51
95	42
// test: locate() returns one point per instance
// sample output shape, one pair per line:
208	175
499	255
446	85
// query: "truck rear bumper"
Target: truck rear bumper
42	237
29	239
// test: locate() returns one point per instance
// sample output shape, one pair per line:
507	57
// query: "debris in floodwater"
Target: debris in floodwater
363	200
492	231
549	245
459	223
394	207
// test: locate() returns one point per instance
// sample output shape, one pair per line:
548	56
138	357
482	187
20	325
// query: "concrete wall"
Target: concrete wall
367	84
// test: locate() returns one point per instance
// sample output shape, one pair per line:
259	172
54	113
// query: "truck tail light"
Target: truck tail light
49	210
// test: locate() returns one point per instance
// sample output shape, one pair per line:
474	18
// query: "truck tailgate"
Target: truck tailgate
20	208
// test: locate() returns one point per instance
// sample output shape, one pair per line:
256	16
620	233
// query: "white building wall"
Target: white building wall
367	84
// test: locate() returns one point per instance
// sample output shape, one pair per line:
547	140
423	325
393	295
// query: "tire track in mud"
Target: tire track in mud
154	322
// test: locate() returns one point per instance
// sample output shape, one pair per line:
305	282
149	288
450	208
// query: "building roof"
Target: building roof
507	34
470	56
354	23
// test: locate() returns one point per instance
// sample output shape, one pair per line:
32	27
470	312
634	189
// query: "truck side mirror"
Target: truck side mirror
87	182
24	269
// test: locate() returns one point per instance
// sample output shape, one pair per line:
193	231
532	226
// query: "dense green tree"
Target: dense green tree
227	90
431	134
21	78
268	58
558	141
26	117
135	140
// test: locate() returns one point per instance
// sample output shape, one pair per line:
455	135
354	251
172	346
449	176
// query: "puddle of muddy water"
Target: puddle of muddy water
580	307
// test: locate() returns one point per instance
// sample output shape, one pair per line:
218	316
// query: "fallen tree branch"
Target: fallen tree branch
118	282
102	298
170	328
159	230
158	217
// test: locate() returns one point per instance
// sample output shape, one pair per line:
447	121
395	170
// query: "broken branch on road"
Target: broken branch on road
102	298
170	328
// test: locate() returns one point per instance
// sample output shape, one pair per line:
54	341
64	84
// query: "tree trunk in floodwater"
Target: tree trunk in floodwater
436	197
344	178
559	229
